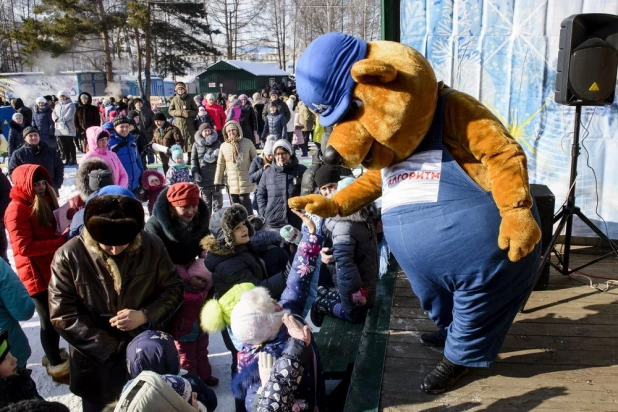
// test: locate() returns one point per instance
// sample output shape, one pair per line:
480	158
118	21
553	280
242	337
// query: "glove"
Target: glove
359	298
265	365
219	188
197	178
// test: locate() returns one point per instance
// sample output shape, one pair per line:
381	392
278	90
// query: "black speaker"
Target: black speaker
545	203
587	60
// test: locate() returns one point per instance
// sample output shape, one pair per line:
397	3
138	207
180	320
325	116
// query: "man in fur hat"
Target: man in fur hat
184	110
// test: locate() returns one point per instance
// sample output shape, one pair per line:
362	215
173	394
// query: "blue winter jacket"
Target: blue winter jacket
275	124
15	305
42	120
126	149
277	185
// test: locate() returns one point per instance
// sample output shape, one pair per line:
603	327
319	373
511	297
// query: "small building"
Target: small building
238	77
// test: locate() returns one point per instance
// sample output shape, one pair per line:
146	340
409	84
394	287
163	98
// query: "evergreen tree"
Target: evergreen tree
65	26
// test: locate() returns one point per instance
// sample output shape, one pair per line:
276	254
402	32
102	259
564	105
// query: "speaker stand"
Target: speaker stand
565	217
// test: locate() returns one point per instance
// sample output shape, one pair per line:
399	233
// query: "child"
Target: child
15	383
178	172
154	351
298	140
153	183
355	249
191	341
274	124
204	165
203	118
234	112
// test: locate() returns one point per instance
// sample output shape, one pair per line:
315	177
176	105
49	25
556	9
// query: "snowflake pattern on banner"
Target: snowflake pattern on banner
504	52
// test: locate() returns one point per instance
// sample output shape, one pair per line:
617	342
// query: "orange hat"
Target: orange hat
183	194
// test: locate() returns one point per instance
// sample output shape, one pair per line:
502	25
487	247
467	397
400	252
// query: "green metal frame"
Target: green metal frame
391	19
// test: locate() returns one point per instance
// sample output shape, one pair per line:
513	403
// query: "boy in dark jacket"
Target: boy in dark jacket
15	383
204	156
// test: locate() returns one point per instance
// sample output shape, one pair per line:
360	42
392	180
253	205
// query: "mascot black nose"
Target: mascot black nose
332	157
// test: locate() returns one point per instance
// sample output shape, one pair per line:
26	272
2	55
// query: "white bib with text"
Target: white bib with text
415	180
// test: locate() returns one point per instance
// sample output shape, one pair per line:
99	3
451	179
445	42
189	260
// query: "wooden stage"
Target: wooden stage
561	356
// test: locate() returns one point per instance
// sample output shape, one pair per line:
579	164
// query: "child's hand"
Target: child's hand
306	220
360	297
265	365
296	329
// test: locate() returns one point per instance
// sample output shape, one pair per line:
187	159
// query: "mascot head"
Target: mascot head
380	96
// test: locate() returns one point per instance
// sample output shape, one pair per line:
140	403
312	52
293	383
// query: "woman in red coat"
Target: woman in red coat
30	222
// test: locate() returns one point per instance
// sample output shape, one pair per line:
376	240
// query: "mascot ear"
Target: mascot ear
371	71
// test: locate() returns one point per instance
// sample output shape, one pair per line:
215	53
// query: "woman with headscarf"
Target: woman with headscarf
235	157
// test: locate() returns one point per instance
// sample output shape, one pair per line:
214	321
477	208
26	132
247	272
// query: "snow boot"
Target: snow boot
60	373
443	377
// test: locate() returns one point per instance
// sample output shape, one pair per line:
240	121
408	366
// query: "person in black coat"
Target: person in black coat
16	133
181	235
19	107
34	151
146	117
42	120
86	115
279	183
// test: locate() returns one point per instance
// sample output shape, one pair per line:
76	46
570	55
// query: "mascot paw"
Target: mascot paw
519	233
315	204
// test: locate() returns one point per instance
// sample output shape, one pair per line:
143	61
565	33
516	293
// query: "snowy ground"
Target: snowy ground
219	356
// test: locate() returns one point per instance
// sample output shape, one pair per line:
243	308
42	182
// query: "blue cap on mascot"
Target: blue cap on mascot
323	79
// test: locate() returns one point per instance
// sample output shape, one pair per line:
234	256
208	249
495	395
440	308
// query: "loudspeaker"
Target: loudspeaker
587	60
545	203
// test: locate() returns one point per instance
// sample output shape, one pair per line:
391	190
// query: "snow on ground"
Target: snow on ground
220	357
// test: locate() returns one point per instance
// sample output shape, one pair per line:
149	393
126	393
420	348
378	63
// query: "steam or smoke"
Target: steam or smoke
113	89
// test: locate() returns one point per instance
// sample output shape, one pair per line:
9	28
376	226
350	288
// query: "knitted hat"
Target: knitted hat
183	194
5	347
114	220
176	152
40	100
202	110
343	183
159	116
323	78
255	319
30	129
327	174
133	114
152	351
216	313
223	222
204	126
268	145
39	174
180	385
116	191
290	234
17	116
121	120
284	144
98	179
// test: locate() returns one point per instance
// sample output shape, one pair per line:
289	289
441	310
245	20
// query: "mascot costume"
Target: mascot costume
456	205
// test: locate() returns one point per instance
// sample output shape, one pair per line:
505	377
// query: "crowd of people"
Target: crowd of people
136	294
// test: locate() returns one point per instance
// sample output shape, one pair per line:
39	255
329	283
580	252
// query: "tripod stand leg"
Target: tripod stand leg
546	255
595	229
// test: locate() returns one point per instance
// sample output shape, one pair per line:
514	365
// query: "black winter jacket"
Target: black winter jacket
16	388
248	121
275	124
42	120
204	159
277	185
42	155
182	242
24	110
86	115
16	137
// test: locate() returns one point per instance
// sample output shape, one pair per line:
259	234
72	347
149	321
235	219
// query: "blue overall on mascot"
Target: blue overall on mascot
456	205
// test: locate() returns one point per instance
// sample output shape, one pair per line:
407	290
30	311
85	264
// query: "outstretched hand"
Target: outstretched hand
306	220
316	204
296	329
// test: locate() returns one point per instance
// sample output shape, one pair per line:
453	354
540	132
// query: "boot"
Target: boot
443	377
59	373
433	339
316	315
63	355
323	305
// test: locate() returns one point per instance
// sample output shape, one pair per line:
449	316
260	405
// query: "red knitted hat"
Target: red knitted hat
183	194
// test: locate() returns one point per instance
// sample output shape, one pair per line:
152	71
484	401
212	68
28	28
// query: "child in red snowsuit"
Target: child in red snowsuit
191	341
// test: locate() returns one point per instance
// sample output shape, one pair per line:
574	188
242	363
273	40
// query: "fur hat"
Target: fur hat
216	313
255	319
183	194
283	144
16	116
63	93
40	100
327	174
82	176
114	220
223	222
180	84
268	145
159	116
30	129
153	351
121	120
35	405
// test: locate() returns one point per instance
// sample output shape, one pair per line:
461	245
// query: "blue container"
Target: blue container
6	112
